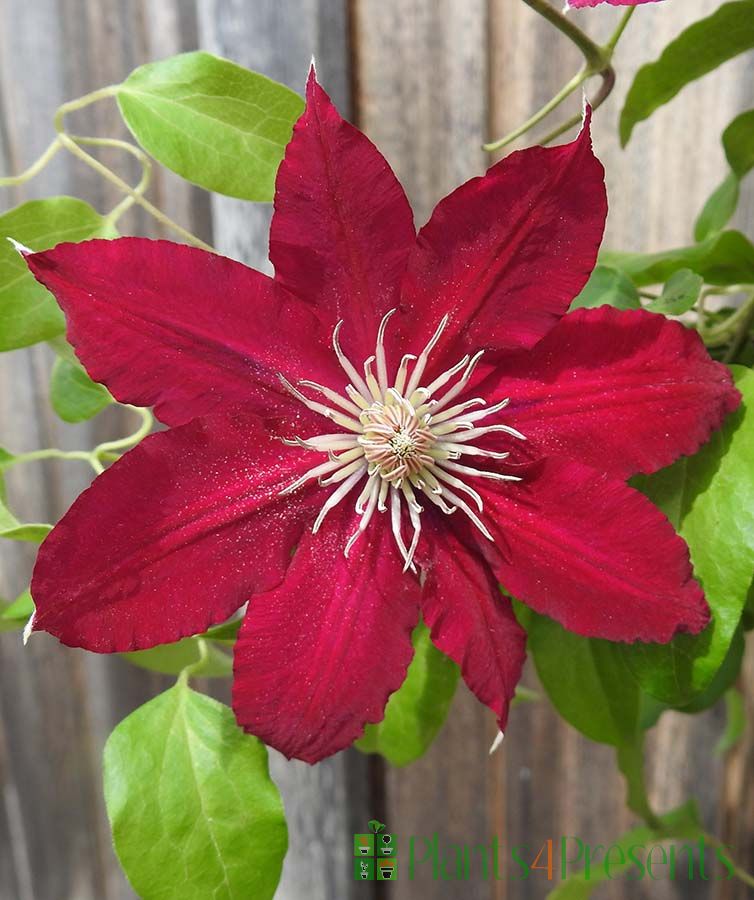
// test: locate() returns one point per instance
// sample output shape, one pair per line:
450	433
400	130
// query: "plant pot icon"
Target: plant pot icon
364	851
386	869
364	876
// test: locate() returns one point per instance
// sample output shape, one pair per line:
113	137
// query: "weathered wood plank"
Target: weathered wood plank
59	705
325	803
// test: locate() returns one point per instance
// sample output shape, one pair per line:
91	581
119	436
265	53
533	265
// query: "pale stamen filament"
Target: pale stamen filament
478	473
421	362
461	384
326	411
458	409
381	361
332	396
334	499
356	380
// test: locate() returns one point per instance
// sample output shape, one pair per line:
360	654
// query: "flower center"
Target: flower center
402	439
394	438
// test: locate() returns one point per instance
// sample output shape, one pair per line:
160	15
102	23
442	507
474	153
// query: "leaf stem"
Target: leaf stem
49	453
70	144
742	331
146	171
147	421
80	102
34	169
740	873
195	667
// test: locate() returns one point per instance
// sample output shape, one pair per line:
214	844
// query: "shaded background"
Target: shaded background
428	80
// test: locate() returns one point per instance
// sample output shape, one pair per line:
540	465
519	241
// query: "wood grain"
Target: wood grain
429	80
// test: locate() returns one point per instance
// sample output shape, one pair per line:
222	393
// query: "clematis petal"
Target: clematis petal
470	619
591	552
578	4
505	254
342	227
318	656
173	537
625	391
180	329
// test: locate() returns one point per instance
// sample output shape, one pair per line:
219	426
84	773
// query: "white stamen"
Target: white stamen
421	362
346	365
334	499
332	396
381	361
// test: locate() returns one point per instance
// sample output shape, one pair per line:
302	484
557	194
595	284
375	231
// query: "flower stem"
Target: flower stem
597	58
34	169
618	33
606	88
562	94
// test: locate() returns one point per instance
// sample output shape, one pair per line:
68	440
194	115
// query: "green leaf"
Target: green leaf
608	286
724	678
32	533
21	608
172	659
735	711
683	823
416	712
586	679
738	141
722	259
73	394
28	312
710	499
719	209
192	807
216	124
700	49
679	294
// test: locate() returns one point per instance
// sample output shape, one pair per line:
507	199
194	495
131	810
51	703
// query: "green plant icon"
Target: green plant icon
376	826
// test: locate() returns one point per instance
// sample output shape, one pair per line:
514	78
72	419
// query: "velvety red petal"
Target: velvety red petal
591	552
342	227
470	619
505	254
318	656
172	538
625	391
181	329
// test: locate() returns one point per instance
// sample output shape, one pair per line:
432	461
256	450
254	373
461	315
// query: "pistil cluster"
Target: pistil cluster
402	439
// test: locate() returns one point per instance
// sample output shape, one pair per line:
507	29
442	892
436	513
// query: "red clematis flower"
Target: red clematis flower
579	4
343	456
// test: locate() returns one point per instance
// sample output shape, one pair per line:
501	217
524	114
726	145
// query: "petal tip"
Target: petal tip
29	628
496	744
20	248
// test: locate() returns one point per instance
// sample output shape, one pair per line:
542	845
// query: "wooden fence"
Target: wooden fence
428	80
